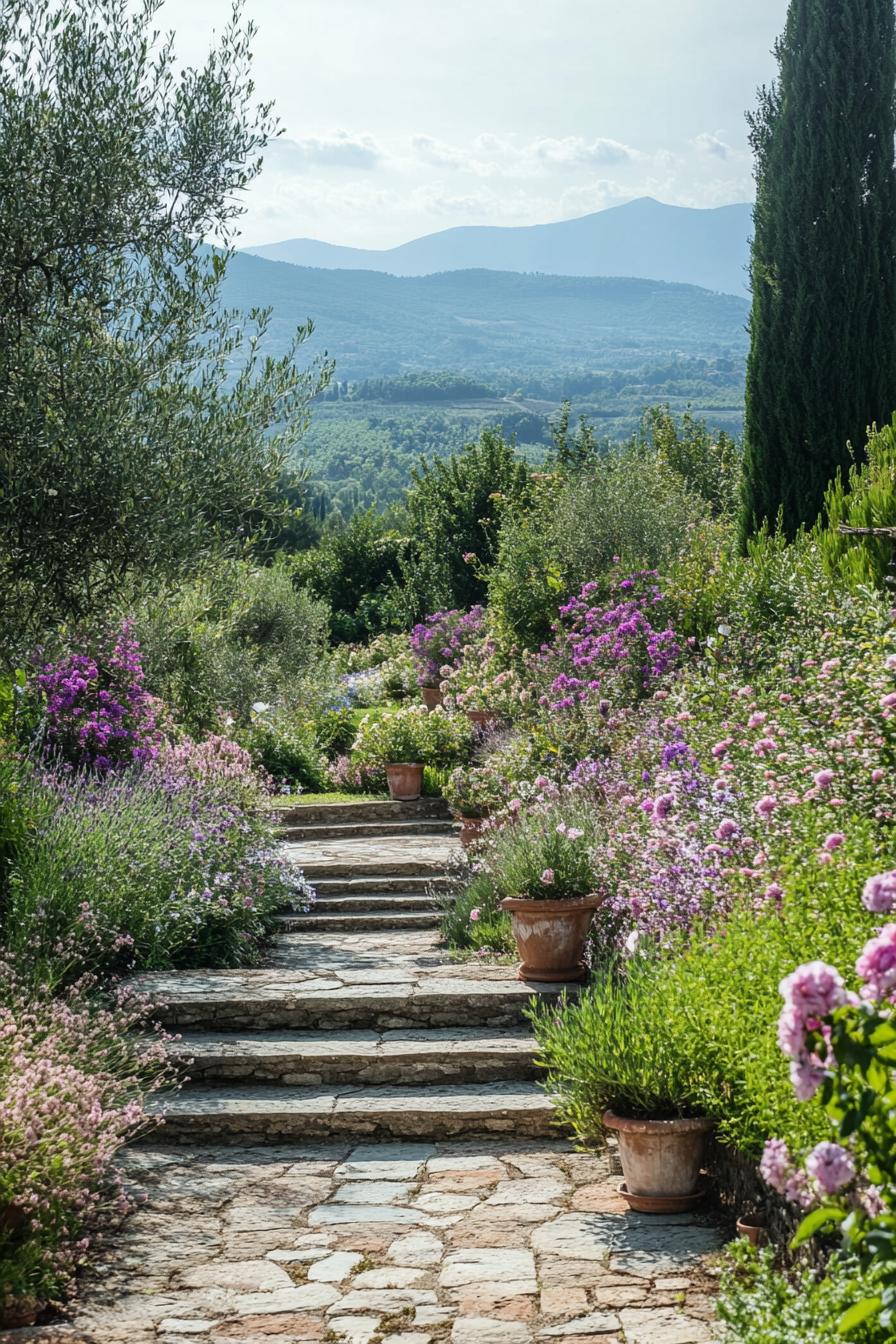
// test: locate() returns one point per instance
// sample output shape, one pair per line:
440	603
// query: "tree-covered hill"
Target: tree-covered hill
477	322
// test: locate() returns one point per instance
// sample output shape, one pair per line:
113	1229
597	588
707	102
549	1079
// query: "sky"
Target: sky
404	117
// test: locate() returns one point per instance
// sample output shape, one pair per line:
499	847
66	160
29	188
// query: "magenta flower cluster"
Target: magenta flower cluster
597	646
441	639
97	712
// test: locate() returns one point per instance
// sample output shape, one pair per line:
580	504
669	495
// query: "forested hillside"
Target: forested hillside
480	322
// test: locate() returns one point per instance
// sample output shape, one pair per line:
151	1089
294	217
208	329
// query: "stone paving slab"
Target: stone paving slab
395	1242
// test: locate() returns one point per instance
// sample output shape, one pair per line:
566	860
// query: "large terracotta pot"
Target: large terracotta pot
432	696
550	936
470	829
405	782
661	1161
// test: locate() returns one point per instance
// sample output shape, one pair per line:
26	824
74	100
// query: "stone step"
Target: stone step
326	867
299	1059
374	900
379	884
317	814
363	830
357	921
258	1115
375	1000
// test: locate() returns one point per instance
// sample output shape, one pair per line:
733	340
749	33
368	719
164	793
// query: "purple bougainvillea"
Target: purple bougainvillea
97	712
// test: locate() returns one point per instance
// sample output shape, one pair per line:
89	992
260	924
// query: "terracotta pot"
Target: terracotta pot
483	718
405	782
752	1227
432	696
470	829
23	1312
661	1161
550	936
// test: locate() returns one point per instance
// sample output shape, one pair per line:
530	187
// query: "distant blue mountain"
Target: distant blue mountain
644	239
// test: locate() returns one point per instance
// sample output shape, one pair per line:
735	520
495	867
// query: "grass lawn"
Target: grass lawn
300	799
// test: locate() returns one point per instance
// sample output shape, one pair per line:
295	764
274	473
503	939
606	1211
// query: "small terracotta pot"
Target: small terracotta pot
752	1227
23	1312
661	1161
405	782
550	937
432	696
483	718
470	829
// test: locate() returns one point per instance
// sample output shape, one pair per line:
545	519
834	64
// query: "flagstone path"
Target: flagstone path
362	1155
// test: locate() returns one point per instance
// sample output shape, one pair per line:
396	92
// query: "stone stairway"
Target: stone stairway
360	1024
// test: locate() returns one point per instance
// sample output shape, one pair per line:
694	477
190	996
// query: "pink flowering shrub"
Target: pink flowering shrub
96	711
612	651
72	1092
842	1045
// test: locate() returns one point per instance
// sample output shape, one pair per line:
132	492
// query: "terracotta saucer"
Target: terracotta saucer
661	1203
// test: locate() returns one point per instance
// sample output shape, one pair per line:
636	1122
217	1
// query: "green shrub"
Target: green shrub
616	1047
355	570
160	867
760	1305
543	851
212	650
866	498
472	920
438	740
286	747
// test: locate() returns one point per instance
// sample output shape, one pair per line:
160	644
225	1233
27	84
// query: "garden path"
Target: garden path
362	1155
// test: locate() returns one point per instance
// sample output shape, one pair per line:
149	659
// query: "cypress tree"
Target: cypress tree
822	363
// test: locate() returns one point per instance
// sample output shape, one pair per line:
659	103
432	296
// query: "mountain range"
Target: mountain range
643	238
479	321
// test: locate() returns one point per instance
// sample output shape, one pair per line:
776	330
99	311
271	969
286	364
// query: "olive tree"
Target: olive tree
142	427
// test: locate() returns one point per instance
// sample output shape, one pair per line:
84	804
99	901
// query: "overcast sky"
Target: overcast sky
402	117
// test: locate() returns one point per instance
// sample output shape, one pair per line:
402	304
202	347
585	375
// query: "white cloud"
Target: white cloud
575	152
707	143
339	149
438	153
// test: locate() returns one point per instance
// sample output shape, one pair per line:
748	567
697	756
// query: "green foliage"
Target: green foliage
146	869
822	365
453	510
132	451
760	1305
615	1048
712	1007
629	507
415	736
867	498
355	570
472	920
217	646
859	1097
286	747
